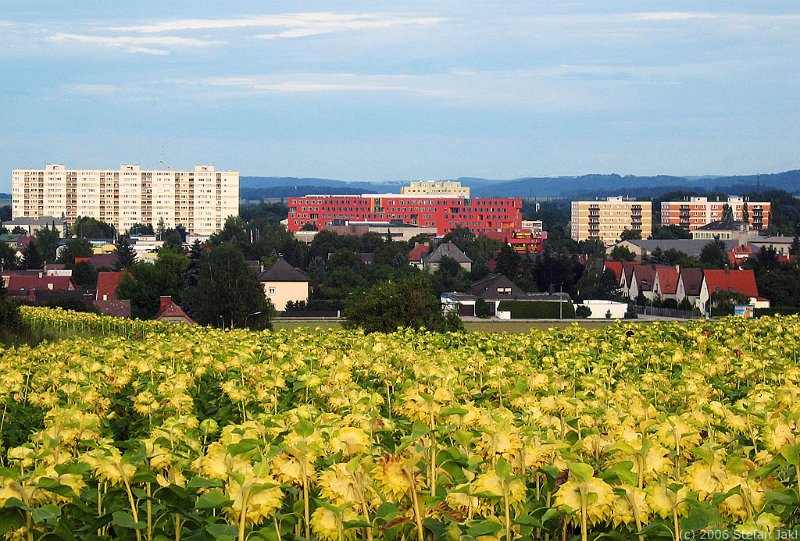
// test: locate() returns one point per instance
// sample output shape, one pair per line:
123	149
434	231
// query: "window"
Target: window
271	291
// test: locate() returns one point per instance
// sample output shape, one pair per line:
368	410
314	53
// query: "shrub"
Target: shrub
582	312
537	309
482	309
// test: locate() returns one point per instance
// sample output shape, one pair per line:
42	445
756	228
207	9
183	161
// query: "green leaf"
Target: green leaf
214	499
47	514
244	446
201	482
791	453
304	429
453	410
52	485
503	469
622	471
484	527
418	430
433	526
581	472
387	511
124	519
223	531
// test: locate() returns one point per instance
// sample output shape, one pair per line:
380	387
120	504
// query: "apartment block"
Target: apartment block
481	215
605	220
199	200
696	212
442	188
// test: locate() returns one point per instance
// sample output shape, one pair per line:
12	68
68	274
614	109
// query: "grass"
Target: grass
471	326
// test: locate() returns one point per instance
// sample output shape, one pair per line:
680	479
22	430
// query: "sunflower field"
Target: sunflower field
144	431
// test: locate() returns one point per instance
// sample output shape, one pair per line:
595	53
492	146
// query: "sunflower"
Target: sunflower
328	525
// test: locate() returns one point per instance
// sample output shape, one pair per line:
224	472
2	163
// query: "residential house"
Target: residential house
417	254
642	281
781	245
690	283
626	277
24	286
493	288
432	262
106	299
740	254
690	247
722	230
665	285
283	283
739	281
169	312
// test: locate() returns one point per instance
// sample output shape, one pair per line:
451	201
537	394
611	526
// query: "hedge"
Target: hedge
537	309
777	310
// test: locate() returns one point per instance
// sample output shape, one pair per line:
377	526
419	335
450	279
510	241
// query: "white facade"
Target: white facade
199	200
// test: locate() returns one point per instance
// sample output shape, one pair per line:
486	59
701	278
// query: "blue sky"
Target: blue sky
379	90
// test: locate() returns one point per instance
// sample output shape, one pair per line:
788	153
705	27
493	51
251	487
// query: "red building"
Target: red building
480	215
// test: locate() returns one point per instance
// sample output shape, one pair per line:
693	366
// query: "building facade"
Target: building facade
605	220
449	188
199	200
699	211
480	215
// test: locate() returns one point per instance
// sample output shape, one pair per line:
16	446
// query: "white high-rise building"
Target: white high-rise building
198	200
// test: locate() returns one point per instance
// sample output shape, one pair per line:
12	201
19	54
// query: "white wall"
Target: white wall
600	307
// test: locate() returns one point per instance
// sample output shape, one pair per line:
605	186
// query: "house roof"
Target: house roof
281	271
741	281
722	225
627	271
107	283
615	267
690	247
118	308
692	281
170	310
667	279
486	287
17	281
645	276
104	261
450	250
418	251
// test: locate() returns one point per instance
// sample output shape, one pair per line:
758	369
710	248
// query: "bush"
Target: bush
582	312
537	309
631	312
482	309
777	310
670	303
608	313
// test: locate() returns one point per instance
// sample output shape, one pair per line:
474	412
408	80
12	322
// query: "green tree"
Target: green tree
622	253
596	283
714	254
722	302
173	240
75	248
89	228
141	229
8	256
408	302
630	234
727	213
31	258
794	249
47	241
126	256
228	293
147	282
450	276
84	274
482	308
507	262
592	248
5	213
670	232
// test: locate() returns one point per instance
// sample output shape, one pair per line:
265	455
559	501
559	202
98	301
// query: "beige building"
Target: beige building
283	283
696	212
440	188
606	219
199	200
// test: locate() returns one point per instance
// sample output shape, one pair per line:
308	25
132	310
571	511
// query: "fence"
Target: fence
666	312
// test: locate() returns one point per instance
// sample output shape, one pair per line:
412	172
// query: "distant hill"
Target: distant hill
595	185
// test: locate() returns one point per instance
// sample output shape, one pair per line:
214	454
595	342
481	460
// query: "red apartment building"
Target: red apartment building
699	211
480	215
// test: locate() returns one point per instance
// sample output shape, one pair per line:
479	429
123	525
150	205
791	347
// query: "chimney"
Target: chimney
166	300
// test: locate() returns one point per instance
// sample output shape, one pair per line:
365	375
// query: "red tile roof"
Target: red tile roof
417	252
107	283
615	267
45	282
741	281
667	280
171	311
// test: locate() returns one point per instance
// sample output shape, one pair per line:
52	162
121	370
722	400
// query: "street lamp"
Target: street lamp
248	315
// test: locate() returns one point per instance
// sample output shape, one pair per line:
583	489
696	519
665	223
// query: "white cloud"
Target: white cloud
134	44
308	83
318	22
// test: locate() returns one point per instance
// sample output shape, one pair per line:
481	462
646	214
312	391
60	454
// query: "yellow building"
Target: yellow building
441	188
283	283
199	200
605	220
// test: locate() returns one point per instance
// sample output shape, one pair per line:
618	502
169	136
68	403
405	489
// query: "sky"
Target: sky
398	90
